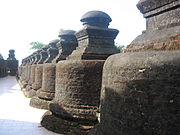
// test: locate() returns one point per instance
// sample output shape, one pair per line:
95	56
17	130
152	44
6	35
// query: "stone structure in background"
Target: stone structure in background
12	63
47	78
42	55
162	26
3	67
38	71
78	79
29	92
25	76
31	73
140	90
66	45
24	72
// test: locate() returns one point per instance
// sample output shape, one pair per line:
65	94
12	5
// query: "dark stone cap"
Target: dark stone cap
54	42
148	5
45	47
96	18
11	51
66	33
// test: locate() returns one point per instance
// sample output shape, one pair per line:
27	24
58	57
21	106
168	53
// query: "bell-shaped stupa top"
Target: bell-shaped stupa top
96	18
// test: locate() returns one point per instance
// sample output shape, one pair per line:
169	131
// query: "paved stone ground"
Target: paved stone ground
16	116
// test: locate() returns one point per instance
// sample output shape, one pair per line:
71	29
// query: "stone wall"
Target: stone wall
162	26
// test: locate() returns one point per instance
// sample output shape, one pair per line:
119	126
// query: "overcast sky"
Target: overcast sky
25	21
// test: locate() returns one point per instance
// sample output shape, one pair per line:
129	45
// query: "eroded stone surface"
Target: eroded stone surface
140	94
61	125
46	55
89	38
95	40
28	91
162	26
78	85
38	77
47	89
149	5
59	50
37	102
78	79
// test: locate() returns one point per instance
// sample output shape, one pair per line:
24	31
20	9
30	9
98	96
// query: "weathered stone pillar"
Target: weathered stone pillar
140	94
37	57
34	67
21	72
38	71
43	55
26	72
30	75
65	46
140	90
78	79
47	74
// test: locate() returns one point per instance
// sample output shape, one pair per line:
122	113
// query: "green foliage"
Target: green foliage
120	47
27	96
61	30
36	45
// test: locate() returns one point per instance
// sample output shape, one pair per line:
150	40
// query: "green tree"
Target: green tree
61	30
119	46
36	45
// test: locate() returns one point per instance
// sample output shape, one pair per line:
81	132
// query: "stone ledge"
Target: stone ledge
62	126
39	103
171	6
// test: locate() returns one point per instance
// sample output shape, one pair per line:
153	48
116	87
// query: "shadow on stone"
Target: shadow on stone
65	125
142	97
